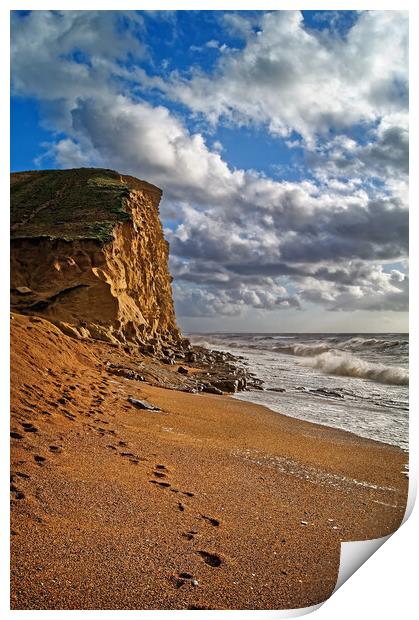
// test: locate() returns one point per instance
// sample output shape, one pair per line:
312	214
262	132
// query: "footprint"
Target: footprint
30	405
160	484
15	435
134	461
188	493
211	559
16	492
122	443
20	474
181	507
185	578
159	474
161	467
214	522
55	449
196	607
29	428
111	447
190	535
127	454
39	459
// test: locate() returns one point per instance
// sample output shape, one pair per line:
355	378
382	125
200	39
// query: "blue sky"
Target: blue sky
280	140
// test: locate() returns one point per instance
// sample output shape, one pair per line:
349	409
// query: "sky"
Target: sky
279	138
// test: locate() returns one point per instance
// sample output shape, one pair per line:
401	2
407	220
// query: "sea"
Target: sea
355	382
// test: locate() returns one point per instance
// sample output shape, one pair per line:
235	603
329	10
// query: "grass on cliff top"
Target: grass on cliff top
83	203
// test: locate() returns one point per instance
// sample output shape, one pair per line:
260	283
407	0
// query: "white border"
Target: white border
385	586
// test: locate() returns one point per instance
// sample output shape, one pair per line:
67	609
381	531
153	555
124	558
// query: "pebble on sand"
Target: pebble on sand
142	404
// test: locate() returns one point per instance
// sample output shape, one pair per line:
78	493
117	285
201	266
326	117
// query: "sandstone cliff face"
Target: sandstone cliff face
88	254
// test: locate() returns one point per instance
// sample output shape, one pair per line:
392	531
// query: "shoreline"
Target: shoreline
273	397
210	503
240	396
286	423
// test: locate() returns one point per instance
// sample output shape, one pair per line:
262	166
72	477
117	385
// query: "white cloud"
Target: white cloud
66	153
291	78
375	289
212	301
60	55
385	156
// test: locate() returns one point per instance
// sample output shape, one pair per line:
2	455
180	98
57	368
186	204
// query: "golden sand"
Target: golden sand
211	503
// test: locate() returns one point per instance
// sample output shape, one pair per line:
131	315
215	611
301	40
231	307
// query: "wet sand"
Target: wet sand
211	503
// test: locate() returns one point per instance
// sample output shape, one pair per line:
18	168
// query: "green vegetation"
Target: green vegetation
83	203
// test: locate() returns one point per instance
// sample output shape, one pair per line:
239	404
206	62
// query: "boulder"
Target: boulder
168	360
211	389
227	385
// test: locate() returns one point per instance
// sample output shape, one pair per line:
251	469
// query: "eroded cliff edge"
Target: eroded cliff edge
88	253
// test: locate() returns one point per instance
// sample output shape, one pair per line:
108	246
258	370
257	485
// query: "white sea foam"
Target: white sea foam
355	382
303	350
345	365
373	343
203	343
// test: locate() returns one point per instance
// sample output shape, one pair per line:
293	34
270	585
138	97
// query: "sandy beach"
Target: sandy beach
210	503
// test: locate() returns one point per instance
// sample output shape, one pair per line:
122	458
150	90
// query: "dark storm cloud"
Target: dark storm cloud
385	155
376	231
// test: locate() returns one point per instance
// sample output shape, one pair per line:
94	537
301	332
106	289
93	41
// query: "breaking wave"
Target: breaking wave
346	365
336	344
372	343
303	350
302	346
353	381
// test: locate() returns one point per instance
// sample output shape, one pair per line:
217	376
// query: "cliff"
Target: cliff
88	254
